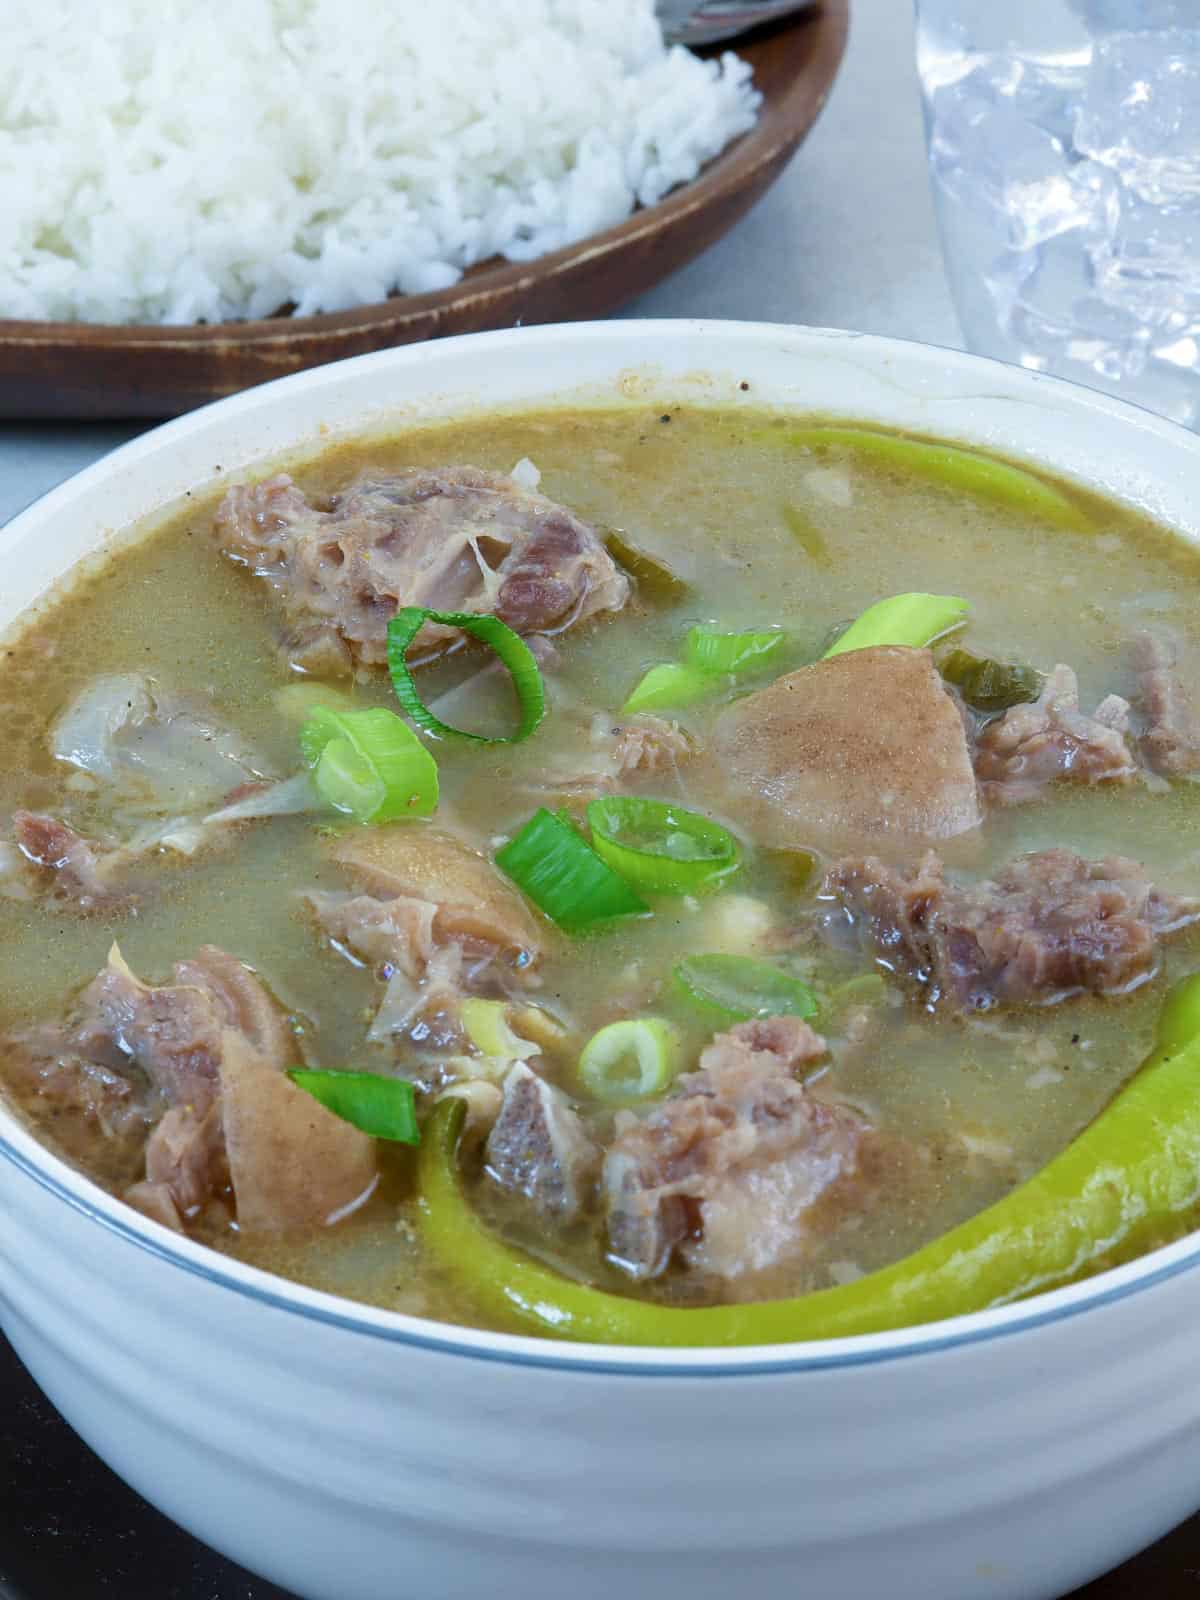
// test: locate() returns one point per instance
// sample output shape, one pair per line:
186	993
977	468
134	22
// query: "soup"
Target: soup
777	947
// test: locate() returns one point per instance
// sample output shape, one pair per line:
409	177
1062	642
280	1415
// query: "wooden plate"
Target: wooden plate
70	369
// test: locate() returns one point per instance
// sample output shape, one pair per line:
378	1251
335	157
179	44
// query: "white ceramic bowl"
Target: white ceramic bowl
351	1454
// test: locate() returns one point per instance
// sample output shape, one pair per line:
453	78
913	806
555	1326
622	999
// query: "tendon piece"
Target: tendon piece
1171	741
864	745
726	1171
449	539
293	1164
420	889
1049	926
156	752
1033	745
539	1148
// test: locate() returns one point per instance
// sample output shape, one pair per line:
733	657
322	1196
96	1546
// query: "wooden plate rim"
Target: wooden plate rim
785	121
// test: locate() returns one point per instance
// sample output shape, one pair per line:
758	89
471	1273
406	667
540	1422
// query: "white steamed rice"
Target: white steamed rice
198	160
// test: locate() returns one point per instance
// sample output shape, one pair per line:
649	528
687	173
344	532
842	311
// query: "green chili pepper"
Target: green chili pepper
806	534
1112	1192
953	466
988	685
651	571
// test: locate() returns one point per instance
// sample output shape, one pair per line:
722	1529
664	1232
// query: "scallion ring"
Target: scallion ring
630	1060
369	764
661	848
382	1107
512	650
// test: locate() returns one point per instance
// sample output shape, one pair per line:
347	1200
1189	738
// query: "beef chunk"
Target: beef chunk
866	745
89	875
79	872
538	1147
78	1094
199	1065
1036	744
172	1034
452	539
1051	925
1172	738
728	1169
185	1166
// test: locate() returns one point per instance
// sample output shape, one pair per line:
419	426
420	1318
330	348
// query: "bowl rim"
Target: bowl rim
59	1179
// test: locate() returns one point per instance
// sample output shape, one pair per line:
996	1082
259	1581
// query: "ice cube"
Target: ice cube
1129	16
1046	95
1141	111
1053	281
1150	260
989	157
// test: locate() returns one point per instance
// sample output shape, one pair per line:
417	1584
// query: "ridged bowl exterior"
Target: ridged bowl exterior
350	1454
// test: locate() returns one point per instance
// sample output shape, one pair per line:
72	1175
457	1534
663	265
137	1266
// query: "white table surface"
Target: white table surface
845	239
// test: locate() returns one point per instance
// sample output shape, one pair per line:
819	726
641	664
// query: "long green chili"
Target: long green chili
1113	1191
972	472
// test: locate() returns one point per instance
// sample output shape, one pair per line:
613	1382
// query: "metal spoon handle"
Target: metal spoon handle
697	22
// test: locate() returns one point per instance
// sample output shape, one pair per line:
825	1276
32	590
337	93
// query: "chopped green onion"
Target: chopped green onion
369	764
988	685
651	572
669	687
661	848
806	534
487	1026
565	877
710	651
739	987
970	471
910	619
630	1060
381	1107
708	657
498	636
